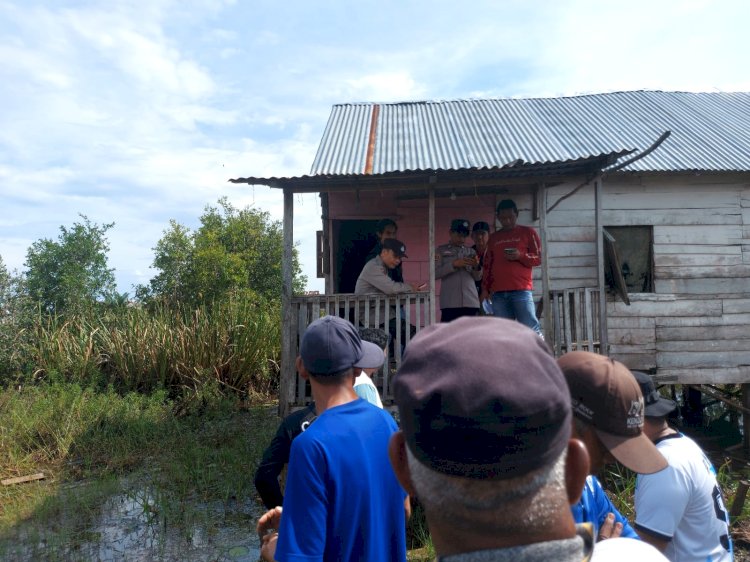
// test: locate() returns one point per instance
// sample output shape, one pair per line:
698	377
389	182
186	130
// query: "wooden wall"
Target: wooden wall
695	327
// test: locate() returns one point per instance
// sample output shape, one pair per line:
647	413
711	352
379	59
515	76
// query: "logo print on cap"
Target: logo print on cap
635	414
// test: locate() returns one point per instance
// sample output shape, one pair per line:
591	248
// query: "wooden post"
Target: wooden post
603	339
288	371
739	499
431	252
546	307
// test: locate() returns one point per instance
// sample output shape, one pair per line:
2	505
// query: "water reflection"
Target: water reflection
135	526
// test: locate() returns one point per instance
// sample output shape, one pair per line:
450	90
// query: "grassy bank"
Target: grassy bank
73	434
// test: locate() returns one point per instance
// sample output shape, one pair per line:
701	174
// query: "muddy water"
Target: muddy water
129	527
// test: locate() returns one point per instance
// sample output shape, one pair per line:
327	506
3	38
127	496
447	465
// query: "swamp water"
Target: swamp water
135	525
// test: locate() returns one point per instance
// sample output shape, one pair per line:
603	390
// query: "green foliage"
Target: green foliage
233	251
232	347
17	314
70	274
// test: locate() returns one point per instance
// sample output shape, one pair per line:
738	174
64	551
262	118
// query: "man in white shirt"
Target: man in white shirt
679	510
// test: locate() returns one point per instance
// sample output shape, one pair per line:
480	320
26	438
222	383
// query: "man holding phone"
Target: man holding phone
512	252
458	268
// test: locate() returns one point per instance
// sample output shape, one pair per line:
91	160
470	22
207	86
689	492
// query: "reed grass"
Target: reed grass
231	347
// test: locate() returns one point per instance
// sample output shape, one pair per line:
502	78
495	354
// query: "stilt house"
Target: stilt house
642	201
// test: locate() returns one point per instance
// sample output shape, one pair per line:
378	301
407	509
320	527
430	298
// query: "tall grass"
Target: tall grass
234	345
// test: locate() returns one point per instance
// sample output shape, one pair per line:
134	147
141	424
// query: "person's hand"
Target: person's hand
269	522
484	295
609	529
419	287
512	254
268	547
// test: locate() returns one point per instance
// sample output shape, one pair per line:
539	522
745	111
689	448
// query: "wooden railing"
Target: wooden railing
574	326
575	320
410	310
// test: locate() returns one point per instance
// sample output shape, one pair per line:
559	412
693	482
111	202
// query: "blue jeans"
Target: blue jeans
516	305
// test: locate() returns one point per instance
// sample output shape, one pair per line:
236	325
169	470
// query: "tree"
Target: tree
232	250
70	273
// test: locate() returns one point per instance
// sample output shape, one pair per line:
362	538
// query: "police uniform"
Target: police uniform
374	279
458	293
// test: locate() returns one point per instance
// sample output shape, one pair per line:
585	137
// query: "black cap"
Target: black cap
397	246
480	225
331	345
482	398
460	225
656	406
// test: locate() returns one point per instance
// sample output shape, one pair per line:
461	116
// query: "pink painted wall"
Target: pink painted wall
412	218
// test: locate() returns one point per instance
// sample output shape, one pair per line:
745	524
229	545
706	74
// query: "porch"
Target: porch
574	314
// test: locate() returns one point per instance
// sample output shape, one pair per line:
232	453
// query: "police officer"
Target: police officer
375	279
458	268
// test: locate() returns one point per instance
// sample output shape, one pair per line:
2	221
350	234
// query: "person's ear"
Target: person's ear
576	469
300	366
400	462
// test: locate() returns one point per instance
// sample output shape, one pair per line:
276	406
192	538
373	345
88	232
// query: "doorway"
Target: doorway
352	242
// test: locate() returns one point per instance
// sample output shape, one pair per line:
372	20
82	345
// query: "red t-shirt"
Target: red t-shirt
501	274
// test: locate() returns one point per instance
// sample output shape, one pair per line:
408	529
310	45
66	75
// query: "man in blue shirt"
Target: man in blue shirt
342	500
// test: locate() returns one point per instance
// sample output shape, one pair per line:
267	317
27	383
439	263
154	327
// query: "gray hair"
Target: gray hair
511	505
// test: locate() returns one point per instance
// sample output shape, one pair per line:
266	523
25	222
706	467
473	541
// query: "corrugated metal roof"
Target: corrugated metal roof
710	132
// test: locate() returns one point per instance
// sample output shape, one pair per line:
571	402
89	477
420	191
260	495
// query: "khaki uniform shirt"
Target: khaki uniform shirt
374	279
457	286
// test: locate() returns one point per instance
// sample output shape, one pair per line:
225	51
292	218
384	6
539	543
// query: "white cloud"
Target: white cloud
138	113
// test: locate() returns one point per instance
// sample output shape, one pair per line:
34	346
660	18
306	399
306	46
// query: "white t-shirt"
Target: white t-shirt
366	389
682	504
622	549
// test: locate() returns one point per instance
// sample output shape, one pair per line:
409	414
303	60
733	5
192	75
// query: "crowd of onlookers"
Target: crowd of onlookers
500	442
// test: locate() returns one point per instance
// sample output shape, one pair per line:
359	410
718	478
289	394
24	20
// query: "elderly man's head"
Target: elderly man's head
485	442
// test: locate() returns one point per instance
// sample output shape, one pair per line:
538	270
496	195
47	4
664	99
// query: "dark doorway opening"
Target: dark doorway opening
352	242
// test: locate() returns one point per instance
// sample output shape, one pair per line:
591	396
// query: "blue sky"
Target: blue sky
139	112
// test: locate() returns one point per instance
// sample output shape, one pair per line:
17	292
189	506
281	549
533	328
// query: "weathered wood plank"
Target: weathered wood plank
579	272
630	322
656	217
634	360
667	249
631	336
703	259
572	261
704	345
726	375
738	286
719	235
700	360
701	272
723	320
566	249
699	333
571	234
669	306
22	479
640	349
678	198
736	305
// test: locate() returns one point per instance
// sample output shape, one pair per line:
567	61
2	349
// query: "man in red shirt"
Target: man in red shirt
512	252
